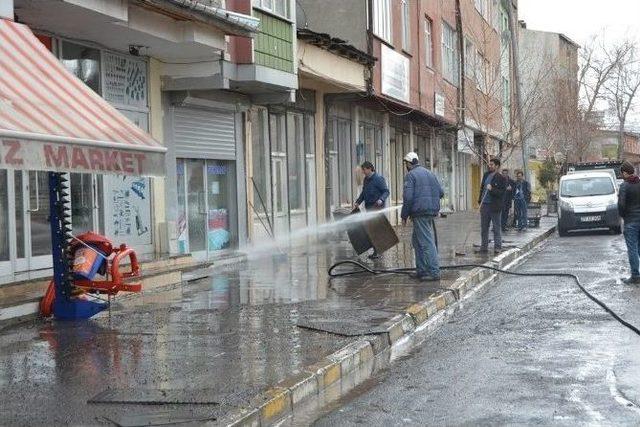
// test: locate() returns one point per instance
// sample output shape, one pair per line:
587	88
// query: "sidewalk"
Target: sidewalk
216	347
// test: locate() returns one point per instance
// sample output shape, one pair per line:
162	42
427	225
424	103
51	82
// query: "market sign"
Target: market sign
65	157
395	74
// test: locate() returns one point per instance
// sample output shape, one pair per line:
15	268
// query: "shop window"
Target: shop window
4	216
295	162
84	63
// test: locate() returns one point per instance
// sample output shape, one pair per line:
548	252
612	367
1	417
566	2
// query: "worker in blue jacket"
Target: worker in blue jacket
374	192
421	202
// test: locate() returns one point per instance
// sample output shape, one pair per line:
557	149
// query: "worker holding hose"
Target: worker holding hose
421	202
374	193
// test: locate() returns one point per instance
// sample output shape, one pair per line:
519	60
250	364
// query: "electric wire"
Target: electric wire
363	268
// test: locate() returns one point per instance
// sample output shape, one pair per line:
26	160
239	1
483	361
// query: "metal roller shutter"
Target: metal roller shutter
204	134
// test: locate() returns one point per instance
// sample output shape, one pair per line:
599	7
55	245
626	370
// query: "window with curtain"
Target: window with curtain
469	59
450	60
428	42
382	19
406	25
279	7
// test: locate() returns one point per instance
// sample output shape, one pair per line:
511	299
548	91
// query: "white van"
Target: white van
588	200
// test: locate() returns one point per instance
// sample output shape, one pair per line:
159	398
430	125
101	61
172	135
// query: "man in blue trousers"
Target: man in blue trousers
421	202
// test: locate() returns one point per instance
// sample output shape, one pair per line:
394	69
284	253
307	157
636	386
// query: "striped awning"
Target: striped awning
50	120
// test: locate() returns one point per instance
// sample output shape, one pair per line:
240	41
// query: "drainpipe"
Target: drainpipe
461	84
369	78
513	28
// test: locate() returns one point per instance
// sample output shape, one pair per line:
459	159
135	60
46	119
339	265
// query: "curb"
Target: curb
283	398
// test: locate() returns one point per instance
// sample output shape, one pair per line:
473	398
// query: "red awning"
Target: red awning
50	120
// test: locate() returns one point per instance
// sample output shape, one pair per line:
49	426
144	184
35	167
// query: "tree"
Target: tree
548	174
621	89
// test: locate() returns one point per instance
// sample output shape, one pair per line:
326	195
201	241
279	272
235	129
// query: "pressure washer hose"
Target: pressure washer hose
363	268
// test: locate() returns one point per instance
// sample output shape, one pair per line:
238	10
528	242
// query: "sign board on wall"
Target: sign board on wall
395	74
438	107
128	213
125	80
465	141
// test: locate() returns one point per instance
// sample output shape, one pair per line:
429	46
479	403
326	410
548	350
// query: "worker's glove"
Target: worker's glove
379	203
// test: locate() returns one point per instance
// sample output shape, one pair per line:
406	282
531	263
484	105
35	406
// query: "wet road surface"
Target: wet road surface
530	351
198	351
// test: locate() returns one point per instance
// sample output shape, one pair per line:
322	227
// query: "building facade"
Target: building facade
125	51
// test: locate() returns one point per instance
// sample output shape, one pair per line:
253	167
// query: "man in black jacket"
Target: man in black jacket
629	208
491	202
508	199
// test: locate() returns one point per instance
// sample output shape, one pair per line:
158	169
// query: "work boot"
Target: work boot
498	251
374	256
430	278
633	280
481	251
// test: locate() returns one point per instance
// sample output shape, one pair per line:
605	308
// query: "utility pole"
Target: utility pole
513	29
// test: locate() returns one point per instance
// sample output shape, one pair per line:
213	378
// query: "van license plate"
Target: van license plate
590	218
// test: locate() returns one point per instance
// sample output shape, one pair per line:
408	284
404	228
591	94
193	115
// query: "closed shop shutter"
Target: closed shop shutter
204	134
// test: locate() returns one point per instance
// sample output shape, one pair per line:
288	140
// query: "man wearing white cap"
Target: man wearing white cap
421	202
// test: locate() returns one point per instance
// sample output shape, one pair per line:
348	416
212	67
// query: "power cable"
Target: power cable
363	268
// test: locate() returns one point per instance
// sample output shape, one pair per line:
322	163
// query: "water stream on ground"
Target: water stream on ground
305	235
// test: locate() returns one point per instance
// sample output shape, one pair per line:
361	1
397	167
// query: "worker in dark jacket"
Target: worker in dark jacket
522	198
491	202
374	189
374	193
421	202
629	208
508	199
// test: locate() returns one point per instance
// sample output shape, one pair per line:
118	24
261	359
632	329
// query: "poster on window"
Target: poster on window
128	218
125	80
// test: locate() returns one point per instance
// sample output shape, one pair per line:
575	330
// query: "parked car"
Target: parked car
588	200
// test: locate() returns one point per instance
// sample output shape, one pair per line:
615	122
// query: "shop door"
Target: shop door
279	192
196	208
31	207
206	197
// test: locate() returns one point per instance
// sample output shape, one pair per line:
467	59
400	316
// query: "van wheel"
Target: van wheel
616	230
562	232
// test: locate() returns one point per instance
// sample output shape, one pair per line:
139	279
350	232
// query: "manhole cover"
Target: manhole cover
156	397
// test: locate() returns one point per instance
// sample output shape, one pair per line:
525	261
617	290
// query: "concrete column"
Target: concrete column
156	128
321	178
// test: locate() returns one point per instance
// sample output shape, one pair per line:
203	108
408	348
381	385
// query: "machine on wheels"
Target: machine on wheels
73	292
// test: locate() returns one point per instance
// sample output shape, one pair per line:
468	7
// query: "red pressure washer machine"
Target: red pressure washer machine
93	254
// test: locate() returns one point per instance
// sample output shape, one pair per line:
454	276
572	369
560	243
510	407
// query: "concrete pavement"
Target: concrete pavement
524	351
217	348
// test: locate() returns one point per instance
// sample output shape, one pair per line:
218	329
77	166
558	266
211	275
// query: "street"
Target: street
522	351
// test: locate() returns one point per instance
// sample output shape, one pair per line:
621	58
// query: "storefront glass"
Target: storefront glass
83	62
207	218
4	216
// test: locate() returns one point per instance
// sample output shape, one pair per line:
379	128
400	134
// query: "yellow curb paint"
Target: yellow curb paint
276	406
331	374
441	302
419	312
